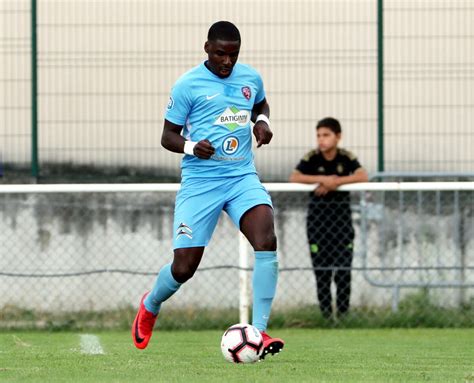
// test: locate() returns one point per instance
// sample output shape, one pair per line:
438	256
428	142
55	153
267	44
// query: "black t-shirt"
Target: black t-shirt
334	206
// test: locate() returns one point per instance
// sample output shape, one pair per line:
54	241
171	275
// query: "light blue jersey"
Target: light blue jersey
219	110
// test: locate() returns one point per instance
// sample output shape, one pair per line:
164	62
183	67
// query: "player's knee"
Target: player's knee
183	272
266	243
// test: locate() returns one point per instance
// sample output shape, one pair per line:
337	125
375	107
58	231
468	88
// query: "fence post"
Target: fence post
244	299
395	298
380	101
34	92
459	245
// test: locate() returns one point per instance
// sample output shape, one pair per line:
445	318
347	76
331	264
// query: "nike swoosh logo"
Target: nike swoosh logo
137	337
213	96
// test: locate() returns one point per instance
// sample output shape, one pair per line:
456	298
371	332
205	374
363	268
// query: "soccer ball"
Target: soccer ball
242	343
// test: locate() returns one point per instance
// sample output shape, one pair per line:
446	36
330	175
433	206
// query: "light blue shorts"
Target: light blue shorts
199	203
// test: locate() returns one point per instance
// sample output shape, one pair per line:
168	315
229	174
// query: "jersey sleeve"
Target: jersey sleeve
179	104
304	167
354	165
306	164
261	90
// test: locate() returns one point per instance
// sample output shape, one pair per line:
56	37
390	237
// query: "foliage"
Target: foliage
414	311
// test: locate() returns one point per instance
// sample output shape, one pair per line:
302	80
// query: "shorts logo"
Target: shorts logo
184	229
246	92
230	145
170	104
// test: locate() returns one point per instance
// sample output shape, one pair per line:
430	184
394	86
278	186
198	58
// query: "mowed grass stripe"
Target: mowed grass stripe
382	355
90	345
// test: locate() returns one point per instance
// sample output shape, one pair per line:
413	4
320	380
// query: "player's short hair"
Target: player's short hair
223	30
330	123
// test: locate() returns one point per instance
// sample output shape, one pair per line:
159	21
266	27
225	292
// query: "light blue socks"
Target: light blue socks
165	286
265	277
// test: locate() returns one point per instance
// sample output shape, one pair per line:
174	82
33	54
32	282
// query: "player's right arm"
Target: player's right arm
172	140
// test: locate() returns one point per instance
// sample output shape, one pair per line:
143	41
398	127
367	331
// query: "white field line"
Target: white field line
90	345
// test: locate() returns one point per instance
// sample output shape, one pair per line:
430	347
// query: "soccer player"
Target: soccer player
208	118
329	222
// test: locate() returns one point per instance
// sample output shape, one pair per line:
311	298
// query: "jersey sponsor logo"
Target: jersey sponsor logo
211	97
230	145
233	117
222	158
247	92
170	104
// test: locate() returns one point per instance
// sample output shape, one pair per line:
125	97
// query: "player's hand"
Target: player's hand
262	133
204	150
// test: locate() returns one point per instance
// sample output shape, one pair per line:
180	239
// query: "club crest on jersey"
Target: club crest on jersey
247	92
230	145
233	117
185	230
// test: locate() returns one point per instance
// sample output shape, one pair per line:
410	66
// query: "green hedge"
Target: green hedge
414	311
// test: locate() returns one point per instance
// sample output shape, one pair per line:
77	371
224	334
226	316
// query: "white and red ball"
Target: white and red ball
242	343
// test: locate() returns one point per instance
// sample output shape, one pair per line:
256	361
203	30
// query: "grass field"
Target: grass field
398	355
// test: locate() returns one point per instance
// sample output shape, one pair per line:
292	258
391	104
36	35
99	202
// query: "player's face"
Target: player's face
222	56
327	139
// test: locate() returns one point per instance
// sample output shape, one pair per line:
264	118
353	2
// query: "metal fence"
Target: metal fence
83	84
413	253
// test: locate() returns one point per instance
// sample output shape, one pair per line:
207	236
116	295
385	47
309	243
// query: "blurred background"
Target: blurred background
83	89
398	74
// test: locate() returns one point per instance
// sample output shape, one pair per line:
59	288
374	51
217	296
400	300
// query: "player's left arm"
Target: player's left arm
261	129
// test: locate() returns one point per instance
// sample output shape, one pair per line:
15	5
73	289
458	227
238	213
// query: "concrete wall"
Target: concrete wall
102	251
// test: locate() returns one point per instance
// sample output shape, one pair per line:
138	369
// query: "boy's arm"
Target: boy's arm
332	183
328	183
298	177
360	175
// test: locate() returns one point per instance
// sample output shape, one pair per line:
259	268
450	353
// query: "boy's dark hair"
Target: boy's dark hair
223	30
330	123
